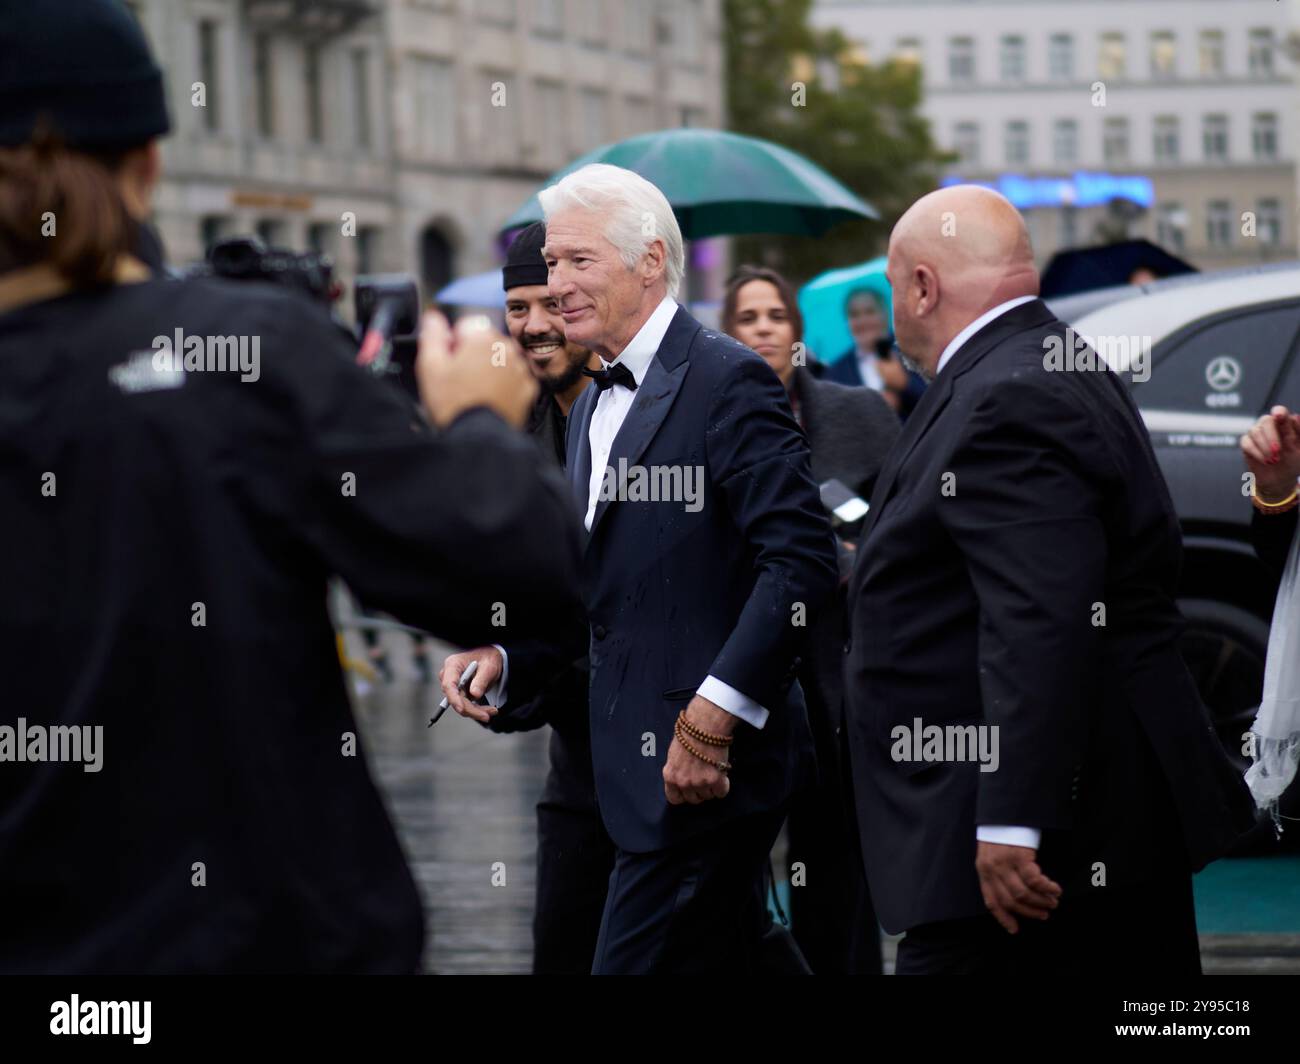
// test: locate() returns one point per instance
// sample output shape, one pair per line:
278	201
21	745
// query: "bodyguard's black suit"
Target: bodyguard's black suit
675	596
1017	502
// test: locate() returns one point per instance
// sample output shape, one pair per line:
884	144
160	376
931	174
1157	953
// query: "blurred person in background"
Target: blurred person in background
169	533
872	361
849	431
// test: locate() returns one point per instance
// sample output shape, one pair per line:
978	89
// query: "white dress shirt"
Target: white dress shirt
867	368
1002	834
612	406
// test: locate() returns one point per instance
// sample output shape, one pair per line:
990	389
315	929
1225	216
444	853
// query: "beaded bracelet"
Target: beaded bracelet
721	766
700	734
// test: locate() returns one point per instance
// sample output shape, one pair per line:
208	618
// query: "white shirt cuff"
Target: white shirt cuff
724	696
1003	835
496	694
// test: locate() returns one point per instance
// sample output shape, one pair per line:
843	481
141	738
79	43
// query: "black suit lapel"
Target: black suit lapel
1026	316
653	400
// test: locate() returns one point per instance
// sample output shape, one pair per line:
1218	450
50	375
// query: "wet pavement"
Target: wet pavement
463	799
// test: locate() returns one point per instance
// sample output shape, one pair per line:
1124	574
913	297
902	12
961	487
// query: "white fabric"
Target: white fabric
613	403
867	368
1009	836
1276	731
956	343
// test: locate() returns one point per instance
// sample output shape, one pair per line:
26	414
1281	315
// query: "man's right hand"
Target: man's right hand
475	366
1272	452
489	671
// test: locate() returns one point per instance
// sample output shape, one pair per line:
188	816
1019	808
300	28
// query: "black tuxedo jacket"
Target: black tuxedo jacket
1018	569
674	596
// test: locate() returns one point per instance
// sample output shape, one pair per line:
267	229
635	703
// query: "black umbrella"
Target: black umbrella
1083	269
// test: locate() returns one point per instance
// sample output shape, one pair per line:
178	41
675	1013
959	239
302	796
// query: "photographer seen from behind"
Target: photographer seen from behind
181	787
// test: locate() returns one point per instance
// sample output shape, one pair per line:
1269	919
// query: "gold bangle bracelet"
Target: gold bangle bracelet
1282	506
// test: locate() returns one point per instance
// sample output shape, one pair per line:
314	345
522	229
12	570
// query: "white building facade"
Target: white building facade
1169	119
398	135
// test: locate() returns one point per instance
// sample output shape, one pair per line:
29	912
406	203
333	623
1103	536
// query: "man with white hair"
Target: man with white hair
707	552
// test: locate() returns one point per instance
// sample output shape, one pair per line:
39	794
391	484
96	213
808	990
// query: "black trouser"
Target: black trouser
695	908
574	859
831	913
1139	930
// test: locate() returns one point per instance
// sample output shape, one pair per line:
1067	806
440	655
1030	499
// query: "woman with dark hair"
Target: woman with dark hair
872	360
849	430
181	780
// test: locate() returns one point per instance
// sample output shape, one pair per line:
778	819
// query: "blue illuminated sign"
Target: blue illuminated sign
1082	189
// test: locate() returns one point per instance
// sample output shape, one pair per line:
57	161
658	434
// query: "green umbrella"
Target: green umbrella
722	183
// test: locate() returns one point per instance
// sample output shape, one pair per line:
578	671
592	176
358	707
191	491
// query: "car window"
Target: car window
1227	366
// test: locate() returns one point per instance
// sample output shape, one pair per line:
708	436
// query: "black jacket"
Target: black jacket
675	595
1016	505
201	497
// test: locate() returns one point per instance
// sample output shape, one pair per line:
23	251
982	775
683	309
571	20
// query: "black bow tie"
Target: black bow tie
607	378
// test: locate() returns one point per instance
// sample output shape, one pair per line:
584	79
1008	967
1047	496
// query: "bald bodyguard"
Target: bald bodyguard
1014	589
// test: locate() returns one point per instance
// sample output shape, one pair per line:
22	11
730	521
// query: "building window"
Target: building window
499	130
548	17
1214	138
639	115
320	238
1012	59
1111	60
361	96
1211	54
1218	224
435	108
213	228
1164	56
1069	227
1060	57
687	31
1114	144
368	249
551	126
1171	226
638	27
271	232
591	21
1065	141
1166	139
1268	222
264	85
208	66
1261	53
315	99
1263	136
961	60
1016	147
595	125
499	12
908	50
966	142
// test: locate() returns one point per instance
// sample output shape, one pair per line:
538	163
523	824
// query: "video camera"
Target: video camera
386	305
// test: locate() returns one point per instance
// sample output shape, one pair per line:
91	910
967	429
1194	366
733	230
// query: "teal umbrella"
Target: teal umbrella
723	183
821	301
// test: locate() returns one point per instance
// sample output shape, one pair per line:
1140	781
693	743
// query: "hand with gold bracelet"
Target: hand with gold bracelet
1272	452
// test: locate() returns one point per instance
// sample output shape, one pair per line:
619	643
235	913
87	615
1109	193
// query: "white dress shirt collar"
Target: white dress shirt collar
957	341
641	349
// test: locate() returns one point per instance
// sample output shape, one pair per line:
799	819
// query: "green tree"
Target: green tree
807	89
